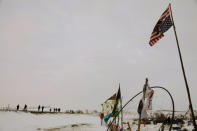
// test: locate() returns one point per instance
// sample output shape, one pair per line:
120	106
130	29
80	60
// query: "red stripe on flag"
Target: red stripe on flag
166	12
155	39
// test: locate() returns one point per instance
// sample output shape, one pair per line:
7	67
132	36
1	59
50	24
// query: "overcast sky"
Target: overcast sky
74	53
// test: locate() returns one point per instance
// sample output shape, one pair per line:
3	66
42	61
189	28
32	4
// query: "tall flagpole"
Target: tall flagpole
180	56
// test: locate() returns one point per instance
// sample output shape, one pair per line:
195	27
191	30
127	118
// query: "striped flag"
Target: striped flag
163	24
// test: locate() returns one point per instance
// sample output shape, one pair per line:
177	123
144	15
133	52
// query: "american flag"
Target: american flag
163	24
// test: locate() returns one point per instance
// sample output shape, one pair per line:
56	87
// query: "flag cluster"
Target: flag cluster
163	24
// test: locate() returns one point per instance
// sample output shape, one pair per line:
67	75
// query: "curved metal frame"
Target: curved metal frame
140	93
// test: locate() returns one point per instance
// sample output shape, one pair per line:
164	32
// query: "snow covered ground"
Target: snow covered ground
21	121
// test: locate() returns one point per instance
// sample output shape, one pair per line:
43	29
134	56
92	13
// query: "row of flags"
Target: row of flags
111	107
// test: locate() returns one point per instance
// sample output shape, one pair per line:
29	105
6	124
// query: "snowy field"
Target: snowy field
21	121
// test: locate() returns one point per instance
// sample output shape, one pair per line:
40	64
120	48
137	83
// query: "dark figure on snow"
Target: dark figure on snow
25	108
168	120
17	107
38	108
42	108
50	109
58	109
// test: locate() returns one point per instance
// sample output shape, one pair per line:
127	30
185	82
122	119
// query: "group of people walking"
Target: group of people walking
56	109
40	108
24	109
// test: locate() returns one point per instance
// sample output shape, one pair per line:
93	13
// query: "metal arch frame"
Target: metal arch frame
159	87
173	108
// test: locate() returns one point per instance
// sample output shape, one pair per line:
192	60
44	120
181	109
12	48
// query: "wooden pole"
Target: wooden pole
129	126
121	113
118	119
139	124
187	88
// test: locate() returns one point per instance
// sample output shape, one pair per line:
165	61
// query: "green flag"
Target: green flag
118	96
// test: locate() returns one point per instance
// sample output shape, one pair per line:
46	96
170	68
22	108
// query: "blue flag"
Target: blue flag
106	117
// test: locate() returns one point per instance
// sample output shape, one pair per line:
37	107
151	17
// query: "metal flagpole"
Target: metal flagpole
180	56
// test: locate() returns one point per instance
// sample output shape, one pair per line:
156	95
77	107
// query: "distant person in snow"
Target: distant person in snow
25	108
17	107
42	108
38	108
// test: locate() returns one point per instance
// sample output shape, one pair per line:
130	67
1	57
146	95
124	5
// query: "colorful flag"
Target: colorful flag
162	26
108	105
111	98
106	117
115	110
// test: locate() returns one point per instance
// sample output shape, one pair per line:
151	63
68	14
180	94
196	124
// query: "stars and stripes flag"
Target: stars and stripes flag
163	24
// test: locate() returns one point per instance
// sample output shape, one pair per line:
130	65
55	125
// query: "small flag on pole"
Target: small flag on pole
114	112
118	96
146	101
108	105
163	24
